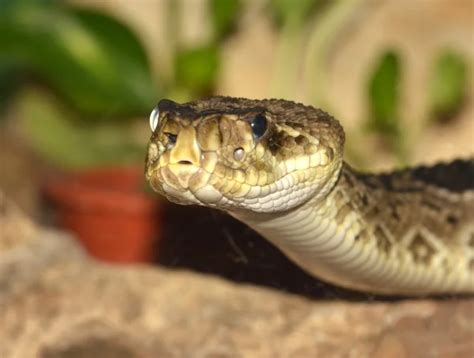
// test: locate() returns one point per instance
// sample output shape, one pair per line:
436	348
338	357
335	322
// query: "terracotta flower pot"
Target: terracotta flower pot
109	212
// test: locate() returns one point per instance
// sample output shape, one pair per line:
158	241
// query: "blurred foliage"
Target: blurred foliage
92	61
10	78
196	69
224	15
97	66
448	85
383	95
71	143
294	20
298	11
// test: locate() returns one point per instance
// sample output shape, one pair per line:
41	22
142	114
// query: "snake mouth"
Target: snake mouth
184	184
217	184
194	185
180	175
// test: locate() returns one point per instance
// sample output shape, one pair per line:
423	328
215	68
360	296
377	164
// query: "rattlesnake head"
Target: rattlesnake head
234	153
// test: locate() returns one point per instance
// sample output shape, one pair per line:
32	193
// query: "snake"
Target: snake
278	166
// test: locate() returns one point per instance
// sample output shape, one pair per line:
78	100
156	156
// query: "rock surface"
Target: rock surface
55	302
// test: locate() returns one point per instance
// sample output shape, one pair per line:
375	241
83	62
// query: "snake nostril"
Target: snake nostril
186	162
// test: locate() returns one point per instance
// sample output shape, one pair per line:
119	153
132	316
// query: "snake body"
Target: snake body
278	166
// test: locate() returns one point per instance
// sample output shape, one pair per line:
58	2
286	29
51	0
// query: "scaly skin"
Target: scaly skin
409	232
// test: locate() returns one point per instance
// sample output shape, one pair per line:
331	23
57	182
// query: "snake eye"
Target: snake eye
154	118
258	125
171	138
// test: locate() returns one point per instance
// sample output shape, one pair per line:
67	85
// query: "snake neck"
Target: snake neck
379	233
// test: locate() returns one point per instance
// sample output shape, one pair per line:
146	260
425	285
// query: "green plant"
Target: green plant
70	141
197	68
223	17
90	60
97	70
383	95
448	85
292	18
99	73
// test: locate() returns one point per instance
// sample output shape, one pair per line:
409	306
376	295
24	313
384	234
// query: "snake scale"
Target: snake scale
278	166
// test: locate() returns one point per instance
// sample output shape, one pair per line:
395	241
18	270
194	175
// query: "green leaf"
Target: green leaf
10	79
68	141
224	13
92	61
383	94
197	69
448	85
295	10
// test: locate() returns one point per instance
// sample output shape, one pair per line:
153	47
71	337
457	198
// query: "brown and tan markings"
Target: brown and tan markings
278	166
